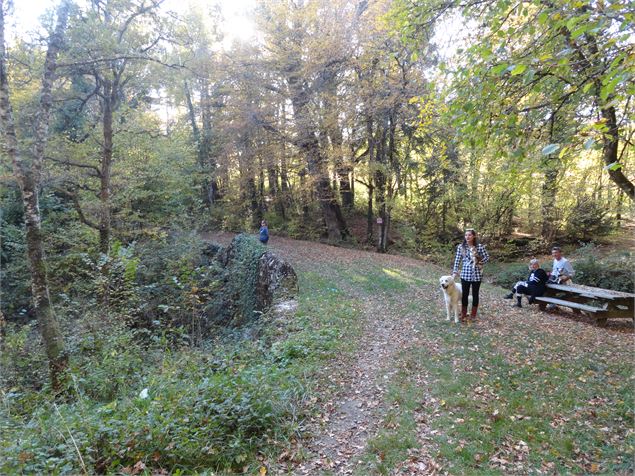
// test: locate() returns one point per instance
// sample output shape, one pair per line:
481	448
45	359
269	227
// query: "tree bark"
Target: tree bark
611	136
380	187
371	164
549	187
205	150
196	135
109	96
610	151
308	144
28	178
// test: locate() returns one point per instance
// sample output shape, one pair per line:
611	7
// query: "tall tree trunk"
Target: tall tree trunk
549	188
380	188
248	188
369	214
206	157
352	184
611	136
28	178
371	164
274	190
342	168
346	190
284	170
308	144
610	150
196	135
106	168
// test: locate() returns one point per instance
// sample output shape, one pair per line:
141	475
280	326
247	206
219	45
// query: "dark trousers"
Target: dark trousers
532	291
465	286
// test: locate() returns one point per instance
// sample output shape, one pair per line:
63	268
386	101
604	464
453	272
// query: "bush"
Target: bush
191	417
611	272
588	219
510	274
14	274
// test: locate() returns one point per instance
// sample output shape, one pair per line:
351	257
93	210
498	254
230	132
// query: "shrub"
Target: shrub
510	275
588	219
190	418
610	272
14	274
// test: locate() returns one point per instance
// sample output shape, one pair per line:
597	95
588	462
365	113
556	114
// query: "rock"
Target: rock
251	280
211	249
276	282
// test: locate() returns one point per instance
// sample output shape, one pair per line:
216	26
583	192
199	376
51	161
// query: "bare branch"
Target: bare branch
71	163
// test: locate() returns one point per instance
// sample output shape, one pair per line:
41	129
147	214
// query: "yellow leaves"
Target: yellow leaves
429	108
262	471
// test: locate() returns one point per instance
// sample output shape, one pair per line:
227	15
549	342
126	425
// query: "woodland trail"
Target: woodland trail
396	295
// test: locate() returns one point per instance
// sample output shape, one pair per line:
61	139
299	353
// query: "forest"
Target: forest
139	136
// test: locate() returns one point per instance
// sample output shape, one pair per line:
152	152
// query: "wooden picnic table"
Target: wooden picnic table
600	303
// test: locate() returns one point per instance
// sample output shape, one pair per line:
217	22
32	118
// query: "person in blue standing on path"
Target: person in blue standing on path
264	232
472	255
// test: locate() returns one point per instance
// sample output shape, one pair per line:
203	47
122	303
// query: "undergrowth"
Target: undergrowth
137	401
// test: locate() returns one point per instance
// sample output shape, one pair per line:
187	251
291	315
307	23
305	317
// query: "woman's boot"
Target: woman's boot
463	313
473	313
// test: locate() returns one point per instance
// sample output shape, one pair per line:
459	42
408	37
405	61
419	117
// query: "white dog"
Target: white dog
452	293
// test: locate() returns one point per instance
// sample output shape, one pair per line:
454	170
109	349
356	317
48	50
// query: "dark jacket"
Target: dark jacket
537	282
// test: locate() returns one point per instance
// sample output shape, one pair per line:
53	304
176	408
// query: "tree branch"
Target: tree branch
78	208
75	164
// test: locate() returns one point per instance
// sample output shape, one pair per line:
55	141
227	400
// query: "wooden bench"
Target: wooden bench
600	303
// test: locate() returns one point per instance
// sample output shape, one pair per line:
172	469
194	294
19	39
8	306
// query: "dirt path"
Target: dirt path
340	437
391	315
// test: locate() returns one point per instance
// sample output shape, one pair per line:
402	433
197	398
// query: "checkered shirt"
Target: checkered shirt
469	272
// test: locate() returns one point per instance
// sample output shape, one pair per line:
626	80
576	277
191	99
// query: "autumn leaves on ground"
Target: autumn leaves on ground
362	376
409	393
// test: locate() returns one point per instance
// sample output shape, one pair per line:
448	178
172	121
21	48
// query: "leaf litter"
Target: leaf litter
336	440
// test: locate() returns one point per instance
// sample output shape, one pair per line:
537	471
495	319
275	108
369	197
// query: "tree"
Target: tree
27	166
113	67
572	60
288	42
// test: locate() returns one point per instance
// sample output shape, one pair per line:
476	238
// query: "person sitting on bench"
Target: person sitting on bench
533	287
562	271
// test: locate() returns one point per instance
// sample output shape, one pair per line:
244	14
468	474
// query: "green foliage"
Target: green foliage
610	272
107	357
23	363
243	274
588	220
218	407
506	275
192	417
14	273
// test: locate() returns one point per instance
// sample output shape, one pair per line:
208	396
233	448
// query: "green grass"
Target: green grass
399	431
534	409
370	279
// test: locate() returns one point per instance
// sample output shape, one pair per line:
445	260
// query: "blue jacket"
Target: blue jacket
264	233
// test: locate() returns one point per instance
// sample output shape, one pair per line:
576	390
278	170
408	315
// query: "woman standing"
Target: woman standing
472	255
